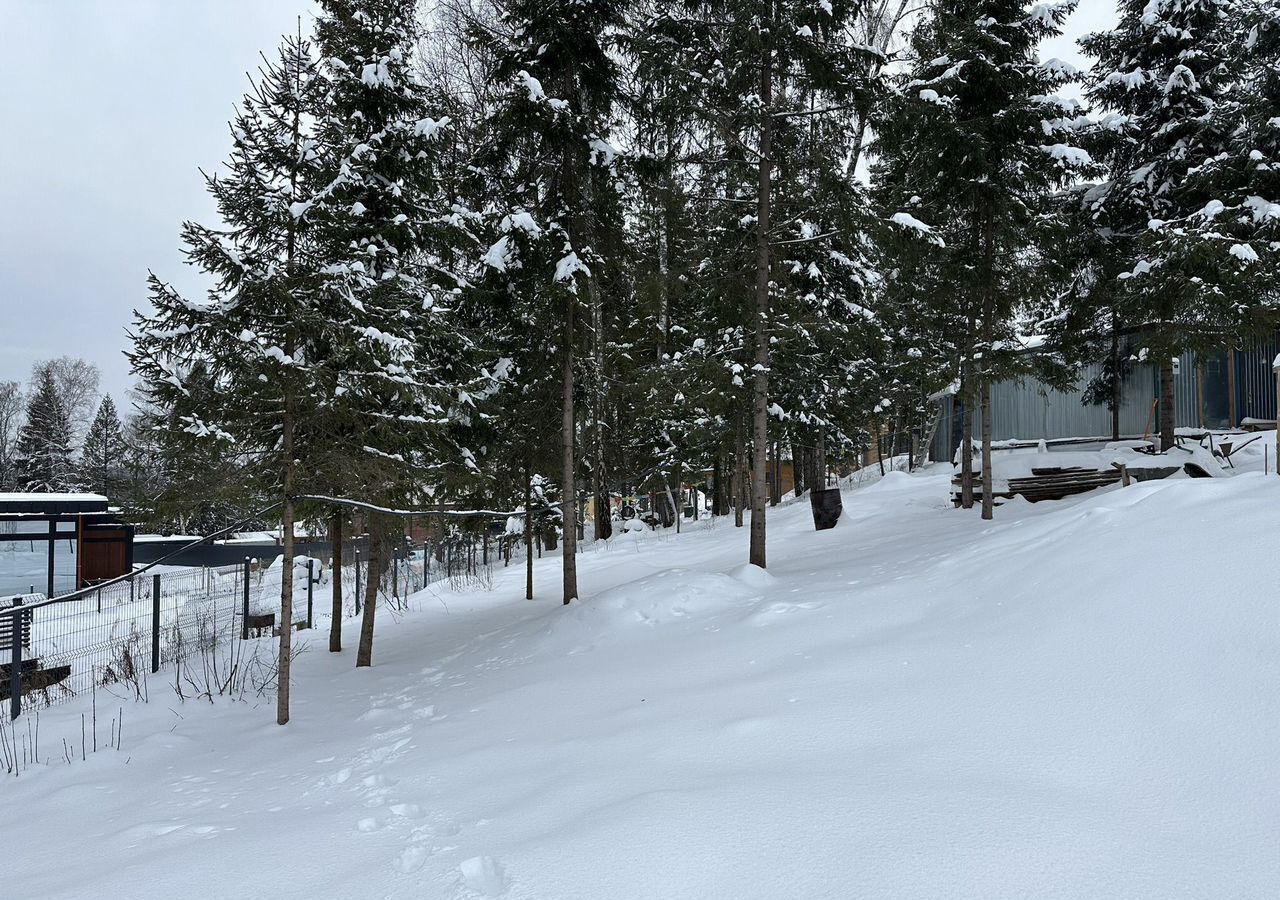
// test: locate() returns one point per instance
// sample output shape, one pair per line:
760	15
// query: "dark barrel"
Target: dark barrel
826	508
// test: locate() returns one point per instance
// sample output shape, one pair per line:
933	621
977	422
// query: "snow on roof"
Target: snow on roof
39	497
60	504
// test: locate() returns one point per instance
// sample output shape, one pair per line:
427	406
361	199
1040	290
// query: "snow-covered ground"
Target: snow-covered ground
1078	700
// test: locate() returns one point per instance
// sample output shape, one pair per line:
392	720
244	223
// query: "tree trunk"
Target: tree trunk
1277	453
568	482
966	438
1115	377
1232	420
717	482
760	390
1199	392
739	478
775	489
988	488
286	571
1167	420
679	507
880	446
820	462
798	467
372	581
528	531
335	574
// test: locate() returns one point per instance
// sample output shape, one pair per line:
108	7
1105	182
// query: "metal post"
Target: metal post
15	664
244	613
357	581
311	581
155	623
53	535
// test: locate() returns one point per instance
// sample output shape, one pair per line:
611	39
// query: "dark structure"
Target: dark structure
103	545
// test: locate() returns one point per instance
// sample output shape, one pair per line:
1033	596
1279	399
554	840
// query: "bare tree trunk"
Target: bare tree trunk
335	574
664	267
1199	391
799	469
717	493
286	571
1167	420
373	581
820	461
880	446
966	434
678	507
739	478
528	531
988	488
569	488
775	489
1115	377
760	389
1232	420
603	526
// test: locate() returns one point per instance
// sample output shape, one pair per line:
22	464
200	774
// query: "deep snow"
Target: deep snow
1078	700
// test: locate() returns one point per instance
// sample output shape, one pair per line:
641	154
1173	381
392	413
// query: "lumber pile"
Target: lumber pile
1050	483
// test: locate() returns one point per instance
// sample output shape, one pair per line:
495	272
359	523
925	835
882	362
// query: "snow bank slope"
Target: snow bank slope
1078	701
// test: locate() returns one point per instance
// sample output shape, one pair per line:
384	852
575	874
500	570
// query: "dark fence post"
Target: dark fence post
155	623
15	663
311	583
244	612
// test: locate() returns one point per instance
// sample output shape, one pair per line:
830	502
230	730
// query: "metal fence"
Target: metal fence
54	650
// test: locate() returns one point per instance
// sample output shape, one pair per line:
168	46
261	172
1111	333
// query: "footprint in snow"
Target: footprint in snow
412	858
484	876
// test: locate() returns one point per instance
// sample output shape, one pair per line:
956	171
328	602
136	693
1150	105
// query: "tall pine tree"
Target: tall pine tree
1158	79
43	451
552	211
974	143
231	375
102	457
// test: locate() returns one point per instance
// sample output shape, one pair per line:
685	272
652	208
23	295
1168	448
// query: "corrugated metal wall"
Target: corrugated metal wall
1029	409
1255	383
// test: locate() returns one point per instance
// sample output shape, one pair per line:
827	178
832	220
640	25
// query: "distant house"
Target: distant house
1225	389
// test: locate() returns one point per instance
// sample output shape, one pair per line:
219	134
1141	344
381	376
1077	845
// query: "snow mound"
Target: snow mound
671	595
752	576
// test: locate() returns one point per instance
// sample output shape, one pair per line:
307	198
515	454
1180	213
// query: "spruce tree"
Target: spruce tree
229	378
43	451
774	90
1221	258
974	142
1158	80
394	370
102	457
552	211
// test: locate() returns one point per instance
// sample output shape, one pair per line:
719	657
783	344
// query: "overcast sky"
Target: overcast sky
110	107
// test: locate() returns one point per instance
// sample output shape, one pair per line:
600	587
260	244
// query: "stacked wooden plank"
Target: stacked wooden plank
1056	483
1050	483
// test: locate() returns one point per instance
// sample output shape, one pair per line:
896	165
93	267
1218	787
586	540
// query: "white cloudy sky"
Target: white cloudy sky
110	107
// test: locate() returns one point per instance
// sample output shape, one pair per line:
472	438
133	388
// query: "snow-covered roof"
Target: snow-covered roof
51	504
41	497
